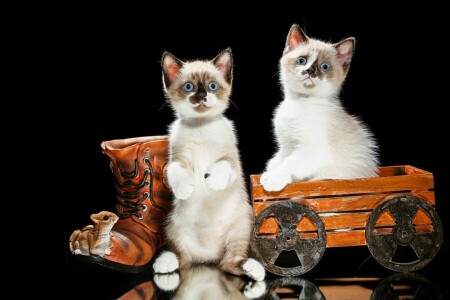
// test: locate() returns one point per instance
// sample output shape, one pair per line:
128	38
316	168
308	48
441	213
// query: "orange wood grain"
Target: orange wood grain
342	221
345	205
411	179
349	203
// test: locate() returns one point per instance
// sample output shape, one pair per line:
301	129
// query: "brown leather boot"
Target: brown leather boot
143	202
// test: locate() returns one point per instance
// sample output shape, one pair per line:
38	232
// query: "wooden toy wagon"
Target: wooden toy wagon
392	214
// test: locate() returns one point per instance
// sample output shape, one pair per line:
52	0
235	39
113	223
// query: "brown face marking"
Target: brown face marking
200	94
200	80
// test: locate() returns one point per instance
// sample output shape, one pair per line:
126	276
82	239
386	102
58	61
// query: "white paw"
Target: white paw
275	181
220	175
77	251
167	282
165	263
253	269
254	289
180	181
183	190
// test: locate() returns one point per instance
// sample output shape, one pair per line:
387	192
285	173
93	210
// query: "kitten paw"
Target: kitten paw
219	176
180	181
183	190
167	282
254	290
275	181
167	262
253	269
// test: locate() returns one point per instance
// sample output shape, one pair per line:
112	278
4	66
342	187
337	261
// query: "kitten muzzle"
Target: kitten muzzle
311	71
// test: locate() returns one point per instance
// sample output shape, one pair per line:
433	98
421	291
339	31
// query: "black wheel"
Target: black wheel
405	286
293	288
404	247
288	252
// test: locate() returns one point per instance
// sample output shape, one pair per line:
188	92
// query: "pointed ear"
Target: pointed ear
295	37
94	218
224	63
345	50
171	67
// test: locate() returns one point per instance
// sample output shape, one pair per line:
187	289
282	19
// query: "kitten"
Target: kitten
317	139
212	218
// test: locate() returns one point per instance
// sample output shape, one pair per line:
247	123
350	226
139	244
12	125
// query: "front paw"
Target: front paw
275	181
183	190
167	282
165	263
254	269
181	181
219	176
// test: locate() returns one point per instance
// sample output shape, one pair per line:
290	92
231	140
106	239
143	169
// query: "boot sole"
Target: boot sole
111	265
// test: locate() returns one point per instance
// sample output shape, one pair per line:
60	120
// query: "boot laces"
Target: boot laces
126	198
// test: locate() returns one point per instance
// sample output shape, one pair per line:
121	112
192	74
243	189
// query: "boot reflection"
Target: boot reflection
207	282
143	291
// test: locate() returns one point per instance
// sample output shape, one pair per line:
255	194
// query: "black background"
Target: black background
100	78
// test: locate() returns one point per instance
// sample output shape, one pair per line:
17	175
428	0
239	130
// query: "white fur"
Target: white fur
254	290
254	269
165	263
317	139
167	282
212	218
217	209
208	282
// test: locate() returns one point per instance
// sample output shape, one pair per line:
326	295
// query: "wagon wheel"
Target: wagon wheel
293	288
405	286
404	246
289	252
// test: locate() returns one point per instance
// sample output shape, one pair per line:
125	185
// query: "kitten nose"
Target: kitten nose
311	71
201	92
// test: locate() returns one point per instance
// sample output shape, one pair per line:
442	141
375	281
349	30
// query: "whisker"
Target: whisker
276	73
163	106
234	104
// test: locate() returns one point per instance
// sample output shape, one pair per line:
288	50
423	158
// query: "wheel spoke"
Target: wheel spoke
269	248
422	244
306	251
308	246
286	218
385	247
403	213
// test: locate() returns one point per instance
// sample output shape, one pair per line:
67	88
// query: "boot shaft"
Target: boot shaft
138	166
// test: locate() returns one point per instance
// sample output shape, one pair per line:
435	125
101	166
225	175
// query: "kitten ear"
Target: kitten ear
345	49
171	67
295	37
224	63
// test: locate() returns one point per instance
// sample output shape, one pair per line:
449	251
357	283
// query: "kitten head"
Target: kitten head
312	67
198	88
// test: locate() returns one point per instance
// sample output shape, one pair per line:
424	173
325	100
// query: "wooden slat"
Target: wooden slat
346	238
349	203
357	237
417	180
341	221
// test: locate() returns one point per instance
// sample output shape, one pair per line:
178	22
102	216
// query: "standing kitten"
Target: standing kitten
317	139
212	217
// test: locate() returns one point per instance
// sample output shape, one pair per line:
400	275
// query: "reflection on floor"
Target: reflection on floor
206	282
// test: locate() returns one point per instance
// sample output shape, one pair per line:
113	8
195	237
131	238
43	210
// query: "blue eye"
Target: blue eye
212	86
325	67
302	60
188	87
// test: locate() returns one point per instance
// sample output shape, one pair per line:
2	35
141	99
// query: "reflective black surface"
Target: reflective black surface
349	273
